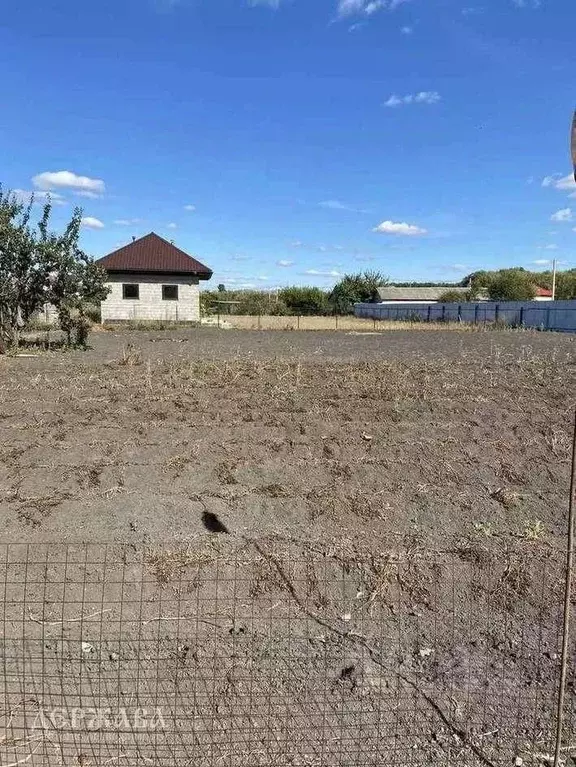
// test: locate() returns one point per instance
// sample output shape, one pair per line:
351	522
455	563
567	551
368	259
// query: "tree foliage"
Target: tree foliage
512	285
565	285
305	301
38	266
356	288
242	302
454	297
481	282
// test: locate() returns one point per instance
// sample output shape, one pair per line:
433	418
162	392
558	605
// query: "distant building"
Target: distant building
542	294
393	295
152	279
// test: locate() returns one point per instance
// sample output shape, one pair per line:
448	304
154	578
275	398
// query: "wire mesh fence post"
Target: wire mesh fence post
567	605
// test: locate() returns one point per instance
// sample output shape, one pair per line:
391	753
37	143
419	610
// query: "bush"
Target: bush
304	301
454	297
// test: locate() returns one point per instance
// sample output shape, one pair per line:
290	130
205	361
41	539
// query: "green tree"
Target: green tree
454	297
566	285
38	266
356	288
74	280
512	285
221	288
23	277
259	302
306	300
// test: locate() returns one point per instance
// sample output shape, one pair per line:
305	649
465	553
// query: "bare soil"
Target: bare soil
389	588
313	434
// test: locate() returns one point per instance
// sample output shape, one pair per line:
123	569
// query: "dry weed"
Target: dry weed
131	356
169	565
507	498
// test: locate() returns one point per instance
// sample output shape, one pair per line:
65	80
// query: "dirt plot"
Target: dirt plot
389	588
440	435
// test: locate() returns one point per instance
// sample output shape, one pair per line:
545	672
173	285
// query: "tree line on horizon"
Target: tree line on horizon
514	284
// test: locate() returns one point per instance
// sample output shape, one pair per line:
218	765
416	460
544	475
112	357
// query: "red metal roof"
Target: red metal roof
543	292
153	254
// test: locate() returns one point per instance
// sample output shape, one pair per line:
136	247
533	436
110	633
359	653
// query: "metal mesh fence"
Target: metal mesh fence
225	652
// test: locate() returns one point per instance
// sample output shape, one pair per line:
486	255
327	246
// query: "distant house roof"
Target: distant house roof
543	292
415	294
153	254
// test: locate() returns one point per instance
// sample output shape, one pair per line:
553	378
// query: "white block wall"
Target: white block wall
150	305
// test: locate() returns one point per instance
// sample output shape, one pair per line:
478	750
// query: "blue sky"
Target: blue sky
289	141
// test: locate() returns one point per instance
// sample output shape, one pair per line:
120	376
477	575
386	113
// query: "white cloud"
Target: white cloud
337	205
551	246
566	183
422	97
344	7
284	262
364	7
24	196
349	7
297	244
542	262
460	267
406	30
127	221
373	7
320	273
562	183
400	228
190	208
92	223
565	214
172	225
65	179
247	285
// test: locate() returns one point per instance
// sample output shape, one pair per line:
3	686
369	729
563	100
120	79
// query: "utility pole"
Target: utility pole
554	280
